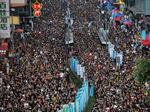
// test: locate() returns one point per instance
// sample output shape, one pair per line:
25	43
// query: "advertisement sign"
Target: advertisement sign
4	19
15	20
18	3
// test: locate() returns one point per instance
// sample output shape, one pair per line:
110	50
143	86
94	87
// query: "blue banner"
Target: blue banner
82	94
91	90
143	35
75	65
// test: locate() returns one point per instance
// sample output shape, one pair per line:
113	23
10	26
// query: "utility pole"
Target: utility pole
30	12
13	28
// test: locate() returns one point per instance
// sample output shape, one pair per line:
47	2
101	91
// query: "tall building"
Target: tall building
139	6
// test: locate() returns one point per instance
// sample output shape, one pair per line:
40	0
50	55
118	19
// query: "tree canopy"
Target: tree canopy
141	70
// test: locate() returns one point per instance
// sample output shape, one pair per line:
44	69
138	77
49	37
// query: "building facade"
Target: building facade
139	6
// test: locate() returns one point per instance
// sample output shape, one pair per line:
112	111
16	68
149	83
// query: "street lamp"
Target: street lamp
13	28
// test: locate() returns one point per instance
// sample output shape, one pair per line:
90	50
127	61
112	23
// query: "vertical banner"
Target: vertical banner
143	35
87	90
83	69
78	69
72	107
76	63
77	104
82	101
103	35
114	54
82	95
69	21
66	108
73	68
69	37
4	19
81	72
70	63
91	90
60	110
111	50
119	58
118	61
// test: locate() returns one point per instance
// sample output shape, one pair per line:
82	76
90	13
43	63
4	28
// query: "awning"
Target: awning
18	3
146	43
19	30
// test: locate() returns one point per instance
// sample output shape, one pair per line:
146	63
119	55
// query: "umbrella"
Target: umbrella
19	30
146	43
147	37
109	6
118	18
114	11
129	23
115	14
141	21
118	14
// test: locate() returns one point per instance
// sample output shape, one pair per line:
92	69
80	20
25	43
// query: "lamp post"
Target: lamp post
13	28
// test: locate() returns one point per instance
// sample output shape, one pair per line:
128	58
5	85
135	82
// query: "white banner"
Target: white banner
18	1
81	72
78	69
69	21
69	37
111	50
4	19
119	58
103	36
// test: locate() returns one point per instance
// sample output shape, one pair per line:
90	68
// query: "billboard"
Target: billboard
18	3
4	19
15	20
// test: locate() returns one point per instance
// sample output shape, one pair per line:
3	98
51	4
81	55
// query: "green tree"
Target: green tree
147	101
141	70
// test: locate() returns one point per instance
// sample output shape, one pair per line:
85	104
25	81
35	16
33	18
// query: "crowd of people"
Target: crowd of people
115	90
39	79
